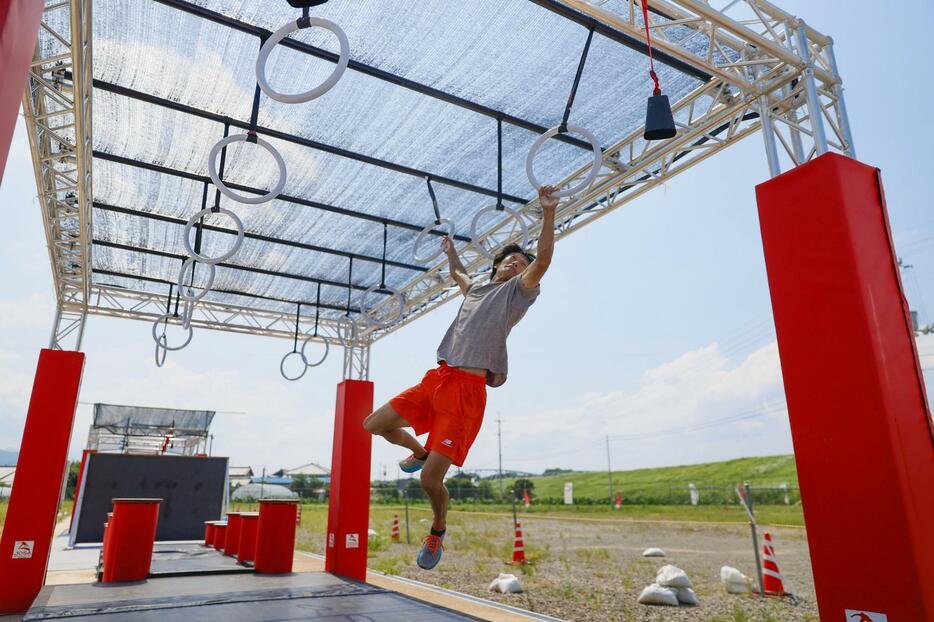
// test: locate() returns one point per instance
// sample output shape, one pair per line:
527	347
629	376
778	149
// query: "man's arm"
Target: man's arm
458	272
546	241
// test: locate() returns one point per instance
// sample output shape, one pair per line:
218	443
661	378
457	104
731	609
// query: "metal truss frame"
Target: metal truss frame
766	70
57	112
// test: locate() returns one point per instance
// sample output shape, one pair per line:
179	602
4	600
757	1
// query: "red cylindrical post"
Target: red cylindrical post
246	548
232	540
133	533
208	533
275	536
105	544
220	534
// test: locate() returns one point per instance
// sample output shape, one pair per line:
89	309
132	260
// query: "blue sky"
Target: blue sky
654	319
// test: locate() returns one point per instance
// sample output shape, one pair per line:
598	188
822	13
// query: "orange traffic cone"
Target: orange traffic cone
395	527
526	499
772	580
619	500
518	549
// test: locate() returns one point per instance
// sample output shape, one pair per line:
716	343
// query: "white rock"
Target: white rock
672	576
735	581
687	596
653	552
424	521
657	595
506	584
371	532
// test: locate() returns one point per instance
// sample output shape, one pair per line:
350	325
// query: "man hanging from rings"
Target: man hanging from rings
449	402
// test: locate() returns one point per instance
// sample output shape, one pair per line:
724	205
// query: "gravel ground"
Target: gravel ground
594	570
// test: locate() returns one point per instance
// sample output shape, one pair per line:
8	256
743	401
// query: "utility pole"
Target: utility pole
499	434
609	471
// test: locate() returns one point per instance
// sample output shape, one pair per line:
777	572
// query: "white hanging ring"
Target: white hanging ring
594	168
243	198
347	342
187	313
164	343
282	366
160	345
321	89
474	234
184	291
327	348
425	233
396	295
204	258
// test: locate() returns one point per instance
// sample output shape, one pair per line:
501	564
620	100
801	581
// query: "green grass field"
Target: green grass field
765	472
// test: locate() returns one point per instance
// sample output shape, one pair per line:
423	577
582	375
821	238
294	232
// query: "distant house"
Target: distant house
278	480
311	469
239	476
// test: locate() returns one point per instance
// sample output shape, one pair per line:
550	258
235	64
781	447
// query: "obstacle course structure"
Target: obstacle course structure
119	186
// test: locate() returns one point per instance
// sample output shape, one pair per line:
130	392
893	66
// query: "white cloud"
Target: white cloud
694	390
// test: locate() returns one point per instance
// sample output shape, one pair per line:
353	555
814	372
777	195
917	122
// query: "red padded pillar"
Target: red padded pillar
19	27
863	436
40	472
349	505
275	536
232	539
246	548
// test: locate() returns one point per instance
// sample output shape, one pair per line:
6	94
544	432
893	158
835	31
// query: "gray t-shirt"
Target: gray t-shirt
477	337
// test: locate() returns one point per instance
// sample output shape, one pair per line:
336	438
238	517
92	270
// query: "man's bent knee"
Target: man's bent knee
371	425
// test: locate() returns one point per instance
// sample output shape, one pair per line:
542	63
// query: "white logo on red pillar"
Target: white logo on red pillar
353	541
22	549
859	615
330	540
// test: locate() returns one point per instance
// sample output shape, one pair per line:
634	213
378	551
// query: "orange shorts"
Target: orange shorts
448	404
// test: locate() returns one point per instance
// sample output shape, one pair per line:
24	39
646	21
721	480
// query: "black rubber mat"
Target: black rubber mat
259	598
187	559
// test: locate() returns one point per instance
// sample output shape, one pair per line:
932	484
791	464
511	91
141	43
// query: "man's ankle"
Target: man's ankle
421	455
438	532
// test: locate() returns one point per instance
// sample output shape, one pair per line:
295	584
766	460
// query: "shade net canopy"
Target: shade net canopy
172	77
141	429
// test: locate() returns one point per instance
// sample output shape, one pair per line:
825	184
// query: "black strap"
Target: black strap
298	313
349	285
317	308
200	223
382	278
220	170
499	164
577	79
434	200
254	114
304	21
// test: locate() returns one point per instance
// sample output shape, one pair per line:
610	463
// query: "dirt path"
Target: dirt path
586	570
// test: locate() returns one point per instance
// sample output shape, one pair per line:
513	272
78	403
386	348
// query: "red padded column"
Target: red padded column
19	27
349	504
863	436
40	472
84	460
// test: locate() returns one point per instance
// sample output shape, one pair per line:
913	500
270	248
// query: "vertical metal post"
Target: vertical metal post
405	498
815	112
755	539
515	517
842	118
792	115
768	132
499	435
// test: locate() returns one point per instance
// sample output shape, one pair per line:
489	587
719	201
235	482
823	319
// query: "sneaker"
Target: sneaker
411	464
430	553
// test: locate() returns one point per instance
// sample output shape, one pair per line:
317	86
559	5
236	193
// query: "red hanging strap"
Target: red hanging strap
648	38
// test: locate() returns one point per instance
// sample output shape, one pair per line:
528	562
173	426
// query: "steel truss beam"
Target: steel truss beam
304	142
114	301
58	122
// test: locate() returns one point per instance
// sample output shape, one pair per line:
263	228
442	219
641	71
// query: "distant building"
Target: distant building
6	480
239	476
312	469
